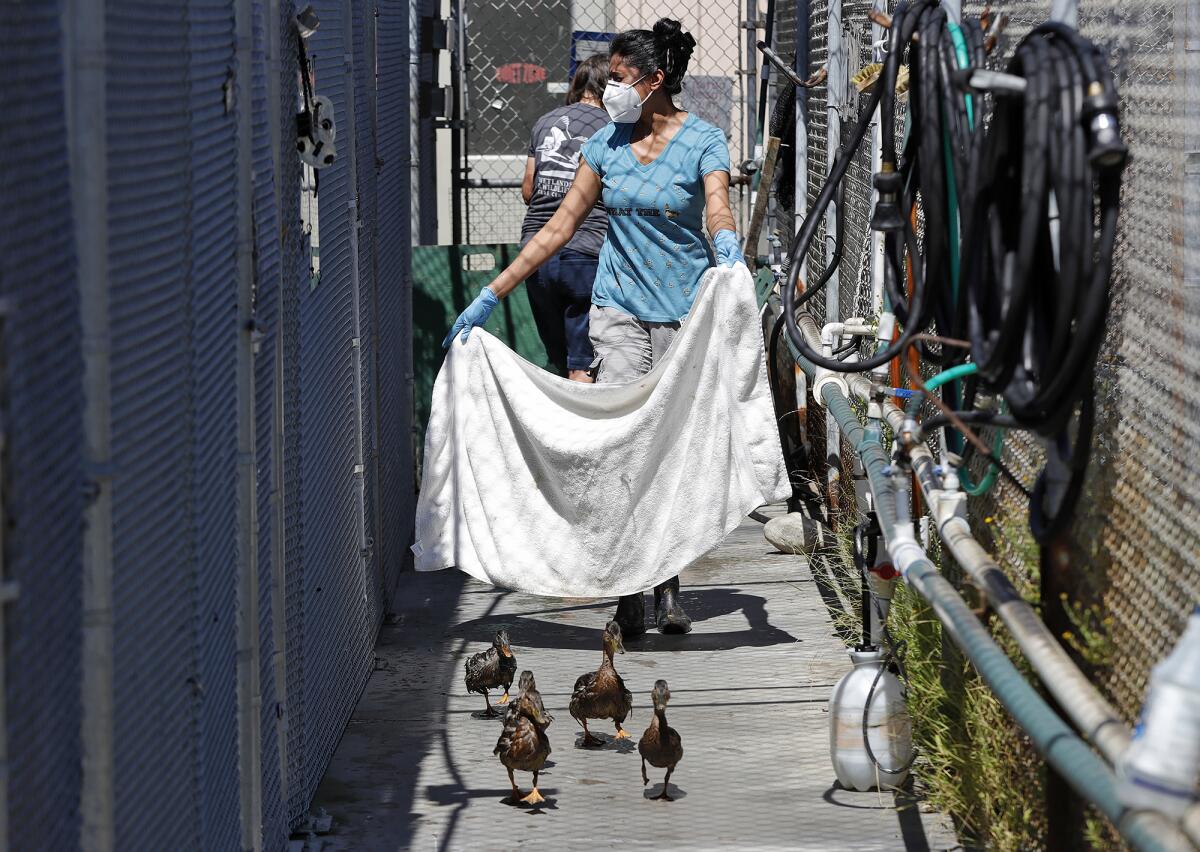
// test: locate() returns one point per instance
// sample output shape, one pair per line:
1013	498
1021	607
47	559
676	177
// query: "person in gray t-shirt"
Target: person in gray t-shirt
560	292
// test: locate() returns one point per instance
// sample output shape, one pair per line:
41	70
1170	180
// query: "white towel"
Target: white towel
552	487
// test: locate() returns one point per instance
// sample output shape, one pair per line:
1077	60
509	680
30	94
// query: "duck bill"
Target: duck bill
505	650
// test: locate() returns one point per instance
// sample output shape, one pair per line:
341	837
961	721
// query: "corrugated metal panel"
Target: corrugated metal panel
395	291
268	269
334	605
212	288
42	366
157	690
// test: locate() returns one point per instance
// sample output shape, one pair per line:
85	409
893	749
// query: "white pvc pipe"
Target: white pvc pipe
1070	687
1090	712
86	81
249	679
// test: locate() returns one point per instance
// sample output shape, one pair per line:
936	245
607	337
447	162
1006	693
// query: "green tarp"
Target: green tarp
445	280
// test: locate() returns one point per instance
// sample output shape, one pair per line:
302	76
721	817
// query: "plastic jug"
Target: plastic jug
888	728
1161	769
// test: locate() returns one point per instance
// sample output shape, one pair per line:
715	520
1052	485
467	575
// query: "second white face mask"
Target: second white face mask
622	102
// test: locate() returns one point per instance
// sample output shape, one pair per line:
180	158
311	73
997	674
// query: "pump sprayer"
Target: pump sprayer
1161	770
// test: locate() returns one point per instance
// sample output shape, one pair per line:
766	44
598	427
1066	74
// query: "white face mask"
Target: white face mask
621	101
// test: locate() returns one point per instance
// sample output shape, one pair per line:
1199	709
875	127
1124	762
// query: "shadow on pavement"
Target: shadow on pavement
555	627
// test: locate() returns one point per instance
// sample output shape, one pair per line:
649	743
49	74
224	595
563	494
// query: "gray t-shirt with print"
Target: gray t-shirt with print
554	146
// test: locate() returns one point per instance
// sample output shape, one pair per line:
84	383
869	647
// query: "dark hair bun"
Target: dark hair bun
674	48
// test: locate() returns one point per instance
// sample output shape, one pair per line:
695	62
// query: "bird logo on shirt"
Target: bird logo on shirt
669	213
551	153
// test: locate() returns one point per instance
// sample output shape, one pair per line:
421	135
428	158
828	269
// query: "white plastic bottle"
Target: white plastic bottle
1161	770
888	728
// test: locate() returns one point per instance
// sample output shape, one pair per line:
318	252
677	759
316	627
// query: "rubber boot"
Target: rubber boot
631	615
668	614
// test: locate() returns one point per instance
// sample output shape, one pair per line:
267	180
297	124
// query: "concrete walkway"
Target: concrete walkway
750	688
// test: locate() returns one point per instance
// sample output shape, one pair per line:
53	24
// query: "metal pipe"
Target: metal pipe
359	472
803	69
838	81
374	541
86	78
249	669
1062	748
1072	690
750	78
1070	687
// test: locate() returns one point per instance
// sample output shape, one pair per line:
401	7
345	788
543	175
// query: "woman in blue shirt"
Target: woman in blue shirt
663	174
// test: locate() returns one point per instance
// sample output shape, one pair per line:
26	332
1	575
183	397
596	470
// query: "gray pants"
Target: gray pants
626	347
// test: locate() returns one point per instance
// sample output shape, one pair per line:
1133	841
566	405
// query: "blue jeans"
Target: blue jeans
560	295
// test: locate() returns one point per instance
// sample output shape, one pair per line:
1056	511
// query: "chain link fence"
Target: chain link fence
1132	561
1136	544
518	56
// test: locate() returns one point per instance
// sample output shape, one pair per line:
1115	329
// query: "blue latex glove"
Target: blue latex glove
477	313
728	250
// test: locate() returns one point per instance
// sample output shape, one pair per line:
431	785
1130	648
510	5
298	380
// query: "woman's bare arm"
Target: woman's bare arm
580	200
716	203
527	181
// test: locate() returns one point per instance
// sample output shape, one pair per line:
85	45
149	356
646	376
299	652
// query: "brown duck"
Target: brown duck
602	694
523	743
527	684
661	745
492	669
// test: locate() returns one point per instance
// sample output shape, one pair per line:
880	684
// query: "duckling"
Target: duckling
492	669
602	694
526	684
661	745
523	743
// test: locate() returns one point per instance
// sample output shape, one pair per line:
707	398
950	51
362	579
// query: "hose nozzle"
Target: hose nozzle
1106	150
886	216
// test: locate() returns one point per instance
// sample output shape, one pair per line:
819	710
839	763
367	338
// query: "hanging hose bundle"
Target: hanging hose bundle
942	122
1037	193
1037	261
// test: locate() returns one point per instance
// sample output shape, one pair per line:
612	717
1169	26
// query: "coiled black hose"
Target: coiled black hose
1032	304
1038	304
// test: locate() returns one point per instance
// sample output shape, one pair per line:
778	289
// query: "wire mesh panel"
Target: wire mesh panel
212	409
1142	506
334	586
1135	541
854	270
818	143
40	405
294	244
394	317
172	79
157	689
518	61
